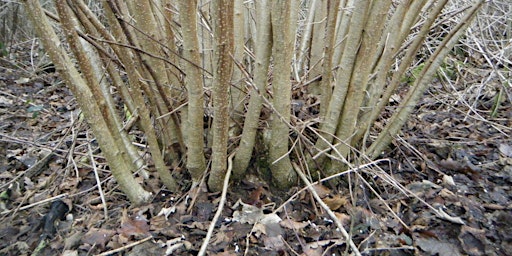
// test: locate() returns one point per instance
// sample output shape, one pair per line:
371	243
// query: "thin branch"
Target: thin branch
36	203
202	251
128	246
327	209
97	177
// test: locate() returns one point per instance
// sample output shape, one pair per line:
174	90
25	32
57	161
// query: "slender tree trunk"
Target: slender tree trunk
352	44
223	25
283	27
377	11
193	81
379	91
343	76
420	85
263	51
112	148
330	36
237	93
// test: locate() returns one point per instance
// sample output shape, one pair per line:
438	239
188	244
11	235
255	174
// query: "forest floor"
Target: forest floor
442	188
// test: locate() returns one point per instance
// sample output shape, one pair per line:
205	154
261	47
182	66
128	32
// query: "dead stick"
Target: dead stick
361	167
125	247
37	203
327	209
202	251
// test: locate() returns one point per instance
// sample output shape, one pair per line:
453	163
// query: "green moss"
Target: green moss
448	69
3	50
413	74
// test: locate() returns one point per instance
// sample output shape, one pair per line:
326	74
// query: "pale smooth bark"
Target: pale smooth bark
142	111
342	26
374	26
101	95
327	66
346	68
305	42
318	34
421	83
283	27
263	51
149	36
224	40
237	80
196	163
112	148
360	49
402	20
93	27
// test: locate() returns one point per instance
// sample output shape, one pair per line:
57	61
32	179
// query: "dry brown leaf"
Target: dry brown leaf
274	243
472	240
433	246
225	253
98	237
343	218
291	224
317	247
136	226
335	202
322	190
255	196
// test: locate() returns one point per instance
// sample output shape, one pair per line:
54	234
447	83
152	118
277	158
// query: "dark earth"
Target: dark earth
442	188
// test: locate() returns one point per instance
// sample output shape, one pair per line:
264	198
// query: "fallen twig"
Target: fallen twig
202	251
98	181
326	208
36	203
111	252
360	167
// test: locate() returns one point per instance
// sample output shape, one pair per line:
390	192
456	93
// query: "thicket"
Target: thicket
285	85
